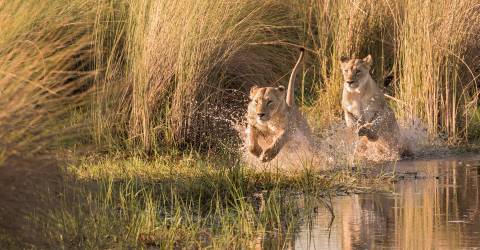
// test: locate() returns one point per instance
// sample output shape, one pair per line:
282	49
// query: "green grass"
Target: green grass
180	202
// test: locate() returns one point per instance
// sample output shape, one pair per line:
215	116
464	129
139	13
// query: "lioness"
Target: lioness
365	108
273	117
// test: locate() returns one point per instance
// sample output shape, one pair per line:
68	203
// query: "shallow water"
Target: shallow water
435	206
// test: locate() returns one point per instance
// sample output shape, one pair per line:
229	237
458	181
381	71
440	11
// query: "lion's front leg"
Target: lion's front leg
368	125
252	141
350	119
368	130
277	144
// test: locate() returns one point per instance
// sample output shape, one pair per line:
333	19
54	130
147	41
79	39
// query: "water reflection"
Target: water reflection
438	207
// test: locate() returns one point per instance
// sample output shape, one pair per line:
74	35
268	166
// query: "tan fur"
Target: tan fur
272	118
365	108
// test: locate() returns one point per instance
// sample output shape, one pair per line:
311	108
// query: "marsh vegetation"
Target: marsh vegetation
118	118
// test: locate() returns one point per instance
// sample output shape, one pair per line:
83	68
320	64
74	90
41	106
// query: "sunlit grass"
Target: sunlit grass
182	202
143	77
424	49
171	69
173	74
44	54
435	64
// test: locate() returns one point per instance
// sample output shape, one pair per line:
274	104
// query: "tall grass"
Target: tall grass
44	56
177	73
436	64
422	50
344	28
183	64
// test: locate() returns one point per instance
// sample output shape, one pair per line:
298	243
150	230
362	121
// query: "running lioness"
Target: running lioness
273	117
365	108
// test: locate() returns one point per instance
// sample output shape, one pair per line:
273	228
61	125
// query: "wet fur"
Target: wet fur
280	118
365	108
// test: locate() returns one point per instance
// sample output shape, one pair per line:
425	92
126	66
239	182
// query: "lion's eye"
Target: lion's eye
269	102
358	73
255	101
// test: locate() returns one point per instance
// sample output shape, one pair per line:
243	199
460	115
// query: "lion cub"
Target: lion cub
366	110
273	118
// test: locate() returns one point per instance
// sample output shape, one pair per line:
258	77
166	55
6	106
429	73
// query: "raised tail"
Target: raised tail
291	83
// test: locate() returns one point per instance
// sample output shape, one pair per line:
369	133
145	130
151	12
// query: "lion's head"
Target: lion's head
355	72
266	103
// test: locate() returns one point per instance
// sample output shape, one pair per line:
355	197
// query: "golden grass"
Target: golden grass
435	64
180	60
43	60
175	74
344	28
425	48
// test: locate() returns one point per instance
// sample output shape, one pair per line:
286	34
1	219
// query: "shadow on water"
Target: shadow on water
435	205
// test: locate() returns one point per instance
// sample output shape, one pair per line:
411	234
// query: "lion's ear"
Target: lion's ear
253	90
281	88
368	60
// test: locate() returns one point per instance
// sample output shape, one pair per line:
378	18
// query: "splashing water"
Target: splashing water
299	153
415	135
333	147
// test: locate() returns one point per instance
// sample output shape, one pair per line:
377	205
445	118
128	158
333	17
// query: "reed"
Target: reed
435	64
44	55
175	72
423	55
178	73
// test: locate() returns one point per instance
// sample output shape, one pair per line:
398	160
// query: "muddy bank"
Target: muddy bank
30	187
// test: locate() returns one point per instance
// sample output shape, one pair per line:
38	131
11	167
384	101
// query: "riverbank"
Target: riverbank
166	202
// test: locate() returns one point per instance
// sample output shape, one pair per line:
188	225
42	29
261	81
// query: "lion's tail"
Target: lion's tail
291	83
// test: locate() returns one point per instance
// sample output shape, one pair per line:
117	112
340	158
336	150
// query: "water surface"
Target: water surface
435	206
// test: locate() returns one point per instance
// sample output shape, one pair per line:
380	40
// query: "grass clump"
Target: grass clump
435	64
184	202
174	203
183	68
44	54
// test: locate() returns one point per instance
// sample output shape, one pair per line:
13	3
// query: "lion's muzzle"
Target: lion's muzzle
263	117
352	84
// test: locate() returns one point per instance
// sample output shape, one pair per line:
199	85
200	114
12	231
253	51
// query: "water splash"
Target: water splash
415	136
333	147
299	153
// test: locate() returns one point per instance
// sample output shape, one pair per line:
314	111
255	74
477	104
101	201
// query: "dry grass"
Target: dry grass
424	49
183	65
174	74
436	64
44	54
338	28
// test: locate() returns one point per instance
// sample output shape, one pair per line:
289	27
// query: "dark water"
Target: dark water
436	206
